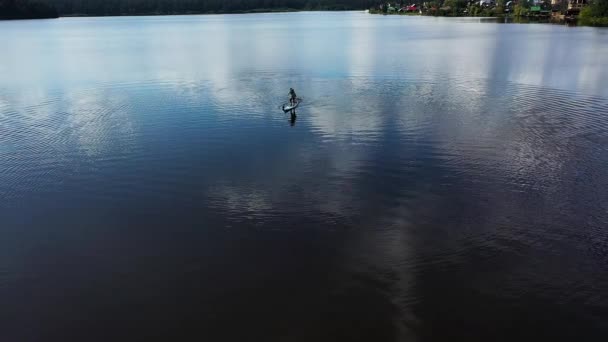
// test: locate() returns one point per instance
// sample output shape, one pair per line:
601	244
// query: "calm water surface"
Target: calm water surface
445	179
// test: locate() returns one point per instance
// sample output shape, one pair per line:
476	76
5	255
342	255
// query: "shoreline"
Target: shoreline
592	22
156	14
513	19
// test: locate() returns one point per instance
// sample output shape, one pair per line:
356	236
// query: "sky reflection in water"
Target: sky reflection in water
442	176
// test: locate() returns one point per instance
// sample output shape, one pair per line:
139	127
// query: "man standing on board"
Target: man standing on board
292	96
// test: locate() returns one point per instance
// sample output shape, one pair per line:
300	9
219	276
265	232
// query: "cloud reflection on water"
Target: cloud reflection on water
422	144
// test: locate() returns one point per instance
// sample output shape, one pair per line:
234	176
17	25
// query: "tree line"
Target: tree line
596	13
26	9
19	9
135	7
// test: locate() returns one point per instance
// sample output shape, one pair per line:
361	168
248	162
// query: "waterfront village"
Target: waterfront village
561	10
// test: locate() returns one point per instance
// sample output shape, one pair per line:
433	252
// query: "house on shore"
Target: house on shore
574	8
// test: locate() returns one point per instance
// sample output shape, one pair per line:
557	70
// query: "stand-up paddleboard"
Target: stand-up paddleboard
287	106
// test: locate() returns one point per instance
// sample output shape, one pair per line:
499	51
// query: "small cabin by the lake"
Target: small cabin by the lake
574	7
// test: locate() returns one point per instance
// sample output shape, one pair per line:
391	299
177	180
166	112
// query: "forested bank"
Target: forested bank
593	12
26	9
160	7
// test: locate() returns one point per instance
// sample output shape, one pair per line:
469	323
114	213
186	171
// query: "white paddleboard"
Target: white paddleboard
287	107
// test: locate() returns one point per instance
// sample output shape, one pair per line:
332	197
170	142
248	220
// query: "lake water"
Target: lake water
444	179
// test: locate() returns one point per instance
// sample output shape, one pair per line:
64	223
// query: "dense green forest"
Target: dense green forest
134	7
595	14
26	9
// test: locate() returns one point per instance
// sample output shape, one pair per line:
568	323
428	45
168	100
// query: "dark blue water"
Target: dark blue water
444	179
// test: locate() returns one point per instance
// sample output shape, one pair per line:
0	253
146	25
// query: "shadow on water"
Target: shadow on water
292	118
